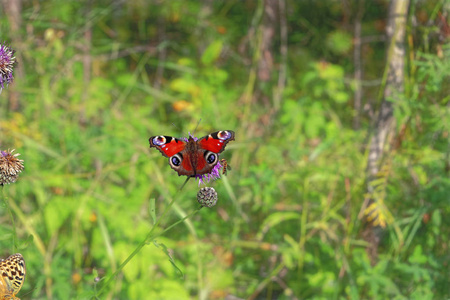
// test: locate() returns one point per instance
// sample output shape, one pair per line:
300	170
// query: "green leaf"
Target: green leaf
339	42
418	257
166	252
212	52
184	85
152	210
56	212
275	219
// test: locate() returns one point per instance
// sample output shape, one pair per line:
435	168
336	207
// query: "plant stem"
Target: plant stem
150	236
5	199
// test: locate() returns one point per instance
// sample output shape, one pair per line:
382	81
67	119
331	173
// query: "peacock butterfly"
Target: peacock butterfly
193	156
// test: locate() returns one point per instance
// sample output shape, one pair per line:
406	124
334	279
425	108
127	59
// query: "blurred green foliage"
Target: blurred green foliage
102	77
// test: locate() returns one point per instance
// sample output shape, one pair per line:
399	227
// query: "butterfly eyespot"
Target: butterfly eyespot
211	157
159	140
224	135
175	161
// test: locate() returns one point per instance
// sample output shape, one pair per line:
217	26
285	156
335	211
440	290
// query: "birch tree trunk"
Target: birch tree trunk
385	125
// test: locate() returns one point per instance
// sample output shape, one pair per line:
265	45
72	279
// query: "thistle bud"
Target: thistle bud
207	196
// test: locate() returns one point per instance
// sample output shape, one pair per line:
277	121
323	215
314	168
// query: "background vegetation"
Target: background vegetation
96	79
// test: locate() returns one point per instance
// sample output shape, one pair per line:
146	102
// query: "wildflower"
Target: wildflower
186	139
10	167
207	196
7	61
213	175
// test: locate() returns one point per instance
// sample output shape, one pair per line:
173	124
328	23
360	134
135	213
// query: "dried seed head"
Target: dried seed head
207	196
10	167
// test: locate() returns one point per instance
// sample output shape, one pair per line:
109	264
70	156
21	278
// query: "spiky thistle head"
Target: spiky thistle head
10	167
7	62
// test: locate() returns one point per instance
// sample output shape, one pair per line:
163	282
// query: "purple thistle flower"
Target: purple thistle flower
7	61
187	138
214	175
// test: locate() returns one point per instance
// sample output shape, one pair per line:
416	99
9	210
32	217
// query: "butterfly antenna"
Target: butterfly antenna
197	125
29	292
187	179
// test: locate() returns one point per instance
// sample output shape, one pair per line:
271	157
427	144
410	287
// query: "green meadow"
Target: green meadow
98	214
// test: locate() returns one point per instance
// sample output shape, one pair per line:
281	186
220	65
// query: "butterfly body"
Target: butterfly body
193	157
12	276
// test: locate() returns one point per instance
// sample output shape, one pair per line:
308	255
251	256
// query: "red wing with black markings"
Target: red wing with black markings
192	157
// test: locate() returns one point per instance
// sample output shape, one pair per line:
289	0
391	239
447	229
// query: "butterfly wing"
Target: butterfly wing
167	145
177	151
216	141
209	147
12	275
4	291
193	158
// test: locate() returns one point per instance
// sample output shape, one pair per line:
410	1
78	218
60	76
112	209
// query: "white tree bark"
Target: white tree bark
396	28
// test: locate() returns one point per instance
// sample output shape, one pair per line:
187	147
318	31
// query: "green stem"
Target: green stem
5	199
149	238
177	222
